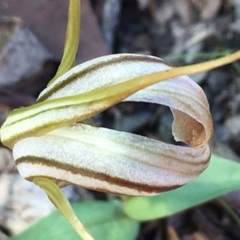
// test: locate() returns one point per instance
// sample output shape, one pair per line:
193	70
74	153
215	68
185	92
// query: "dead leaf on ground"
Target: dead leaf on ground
48	20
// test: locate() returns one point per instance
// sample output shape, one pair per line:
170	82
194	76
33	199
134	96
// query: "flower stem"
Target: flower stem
71	40
60	201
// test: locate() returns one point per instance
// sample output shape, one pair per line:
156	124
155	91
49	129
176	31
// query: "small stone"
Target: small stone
6	160
21	54
27	205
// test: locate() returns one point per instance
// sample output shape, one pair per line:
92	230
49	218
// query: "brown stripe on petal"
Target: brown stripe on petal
141	187
150	190
47	126
94	67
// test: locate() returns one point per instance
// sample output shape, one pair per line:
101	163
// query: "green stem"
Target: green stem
208	55
229	210
60	201
71	40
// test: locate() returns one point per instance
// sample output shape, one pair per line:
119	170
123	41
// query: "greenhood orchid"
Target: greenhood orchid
54	143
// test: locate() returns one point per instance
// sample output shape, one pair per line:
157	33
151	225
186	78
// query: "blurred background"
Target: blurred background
181	32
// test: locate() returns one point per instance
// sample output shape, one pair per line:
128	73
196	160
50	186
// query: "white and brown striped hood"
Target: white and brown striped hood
51	138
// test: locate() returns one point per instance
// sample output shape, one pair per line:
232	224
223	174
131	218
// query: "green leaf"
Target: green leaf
104	220
222	176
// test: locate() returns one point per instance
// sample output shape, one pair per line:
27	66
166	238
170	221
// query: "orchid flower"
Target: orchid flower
54	143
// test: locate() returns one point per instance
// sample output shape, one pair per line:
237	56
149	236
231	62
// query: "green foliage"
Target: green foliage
222	176
105	221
